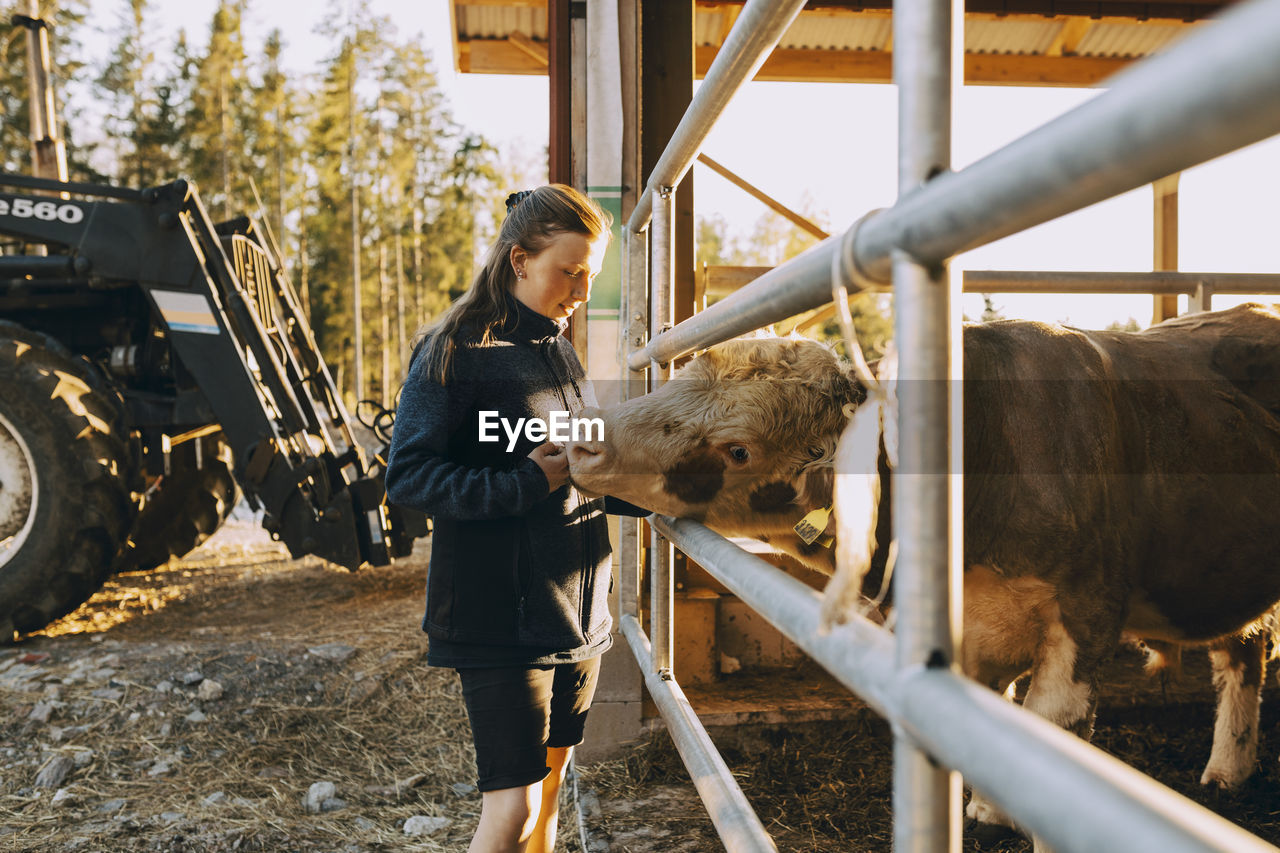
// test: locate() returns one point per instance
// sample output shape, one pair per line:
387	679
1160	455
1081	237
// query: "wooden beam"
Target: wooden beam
1004	70
526	45
497	56
527	4
1164	222
873	66
768	200
1069	36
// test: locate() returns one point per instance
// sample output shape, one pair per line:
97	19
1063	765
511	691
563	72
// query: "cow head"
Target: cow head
742	439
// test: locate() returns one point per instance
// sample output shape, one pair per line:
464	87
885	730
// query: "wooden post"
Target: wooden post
1165	224
667	57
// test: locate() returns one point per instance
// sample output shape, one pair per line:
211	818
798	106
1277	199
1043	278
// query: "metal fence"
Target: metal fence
1217	91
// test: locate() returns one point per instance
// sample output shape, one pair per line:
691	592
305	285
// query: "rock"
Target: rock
62	797
110	694
462	788
214	799
333	804
82	756
113	805
196	716
55	771
40	713
364	824
729	664
171	817
160	768
209	690
34	657
191	678
423	825
317	794
164	686
336	652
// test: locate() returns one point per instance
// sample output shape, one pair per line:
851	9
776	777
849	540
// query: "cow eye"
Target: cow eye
739	453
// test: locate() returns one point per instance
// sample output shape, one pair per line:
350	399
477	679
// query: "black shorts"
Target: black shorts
517	712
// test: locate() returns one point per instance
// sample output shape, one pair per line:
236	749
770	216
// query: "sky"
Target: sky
829	149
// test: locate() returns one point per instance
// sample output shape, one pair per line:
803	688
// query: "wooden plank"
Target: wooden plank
497	56
723	280
1002	70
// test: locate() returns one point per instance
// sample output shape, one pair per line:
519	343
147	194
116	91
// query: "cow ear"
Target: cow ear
816	485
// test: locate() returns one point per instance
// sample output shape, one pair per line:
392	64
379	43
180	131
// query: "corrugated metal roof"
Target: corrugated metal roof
1128	40
1011	36
497	22
843	32
869	31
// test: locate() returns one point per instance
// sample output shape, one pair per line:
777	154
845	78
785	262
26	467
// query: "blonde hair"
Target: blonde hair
534	219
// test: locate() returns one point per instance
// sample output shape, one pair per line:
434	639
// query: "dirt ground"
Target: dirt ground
198	707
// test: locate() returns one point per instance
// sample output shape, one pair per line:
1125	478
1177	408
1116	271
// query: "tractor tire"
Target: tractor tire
186	507
67	463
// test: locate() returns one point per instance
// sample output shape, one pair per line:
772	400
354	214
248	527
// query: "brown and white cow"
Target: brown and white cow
1115	484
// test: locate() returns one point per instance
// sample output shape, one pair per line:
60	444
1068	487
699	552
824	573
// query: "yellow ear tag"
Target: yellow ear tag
810	528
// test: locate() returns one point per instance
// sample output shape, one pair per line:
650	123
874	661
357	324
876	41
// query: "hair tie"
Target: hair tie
515	198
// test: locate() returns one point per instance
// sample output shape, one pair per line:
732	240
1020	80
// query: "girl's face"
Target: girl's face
558	279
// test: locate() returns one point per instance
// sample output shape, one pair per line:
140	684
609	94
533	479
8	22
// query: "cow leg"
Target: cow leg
1238	667
1063	680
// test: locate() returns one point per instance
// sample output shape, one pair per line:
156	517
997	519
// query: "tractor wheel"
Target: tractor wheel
186	507
66	466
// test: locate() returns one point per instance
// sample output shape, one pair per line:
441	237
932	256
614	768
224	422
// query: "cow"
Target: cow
1117	485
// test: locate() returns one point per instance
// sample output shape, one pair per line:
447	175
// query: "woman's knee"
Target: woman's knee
512	811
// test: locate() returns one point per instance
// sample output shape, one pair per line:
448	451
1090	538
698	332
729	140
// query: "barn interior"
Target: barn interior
734	667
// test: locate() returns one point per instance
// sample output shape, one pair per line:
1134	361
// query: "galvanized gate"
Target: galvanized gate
1217	91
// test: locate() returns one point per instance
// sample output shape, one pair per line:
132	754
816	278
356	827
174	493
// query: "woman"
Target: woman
518	584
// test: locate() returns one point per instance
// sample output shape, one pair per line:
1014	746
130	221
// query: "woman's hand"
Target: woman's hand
554	463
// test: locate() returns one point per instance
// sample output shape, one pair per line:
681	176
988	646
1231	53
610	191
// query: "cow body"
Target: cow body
1115	484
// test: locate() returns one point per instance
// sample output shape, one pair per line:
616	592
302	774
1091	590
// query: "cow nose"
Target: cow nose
591	440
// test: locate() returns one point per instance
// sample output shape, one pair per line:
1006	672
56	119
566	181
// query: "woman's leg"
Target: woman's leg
509	709
573	689
507	820
543	839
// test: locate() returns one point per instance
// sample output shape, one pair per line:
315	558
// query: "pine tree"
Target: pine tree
124	84
215	146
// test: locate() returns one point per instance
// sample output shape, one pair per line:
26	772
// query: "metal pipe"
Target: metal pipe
1028	766
635	314
735	821
758	28
662	584
1210	94
926	805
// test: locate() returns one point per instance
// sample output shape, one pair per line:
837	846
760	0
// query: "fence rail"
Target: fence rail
1212	93
1218	90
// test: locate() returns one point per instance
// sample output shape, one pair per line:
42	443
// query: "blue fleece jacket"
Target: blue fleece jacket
519	574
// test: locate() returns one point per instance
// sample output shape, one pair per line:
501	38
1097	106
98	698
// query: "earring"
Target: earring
520	274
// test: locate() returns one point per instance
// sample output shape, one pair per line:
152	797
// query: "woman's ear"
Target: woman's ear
517	258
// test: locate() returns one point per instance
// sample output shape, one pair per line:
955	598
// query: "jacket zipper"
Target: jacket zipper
584	533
